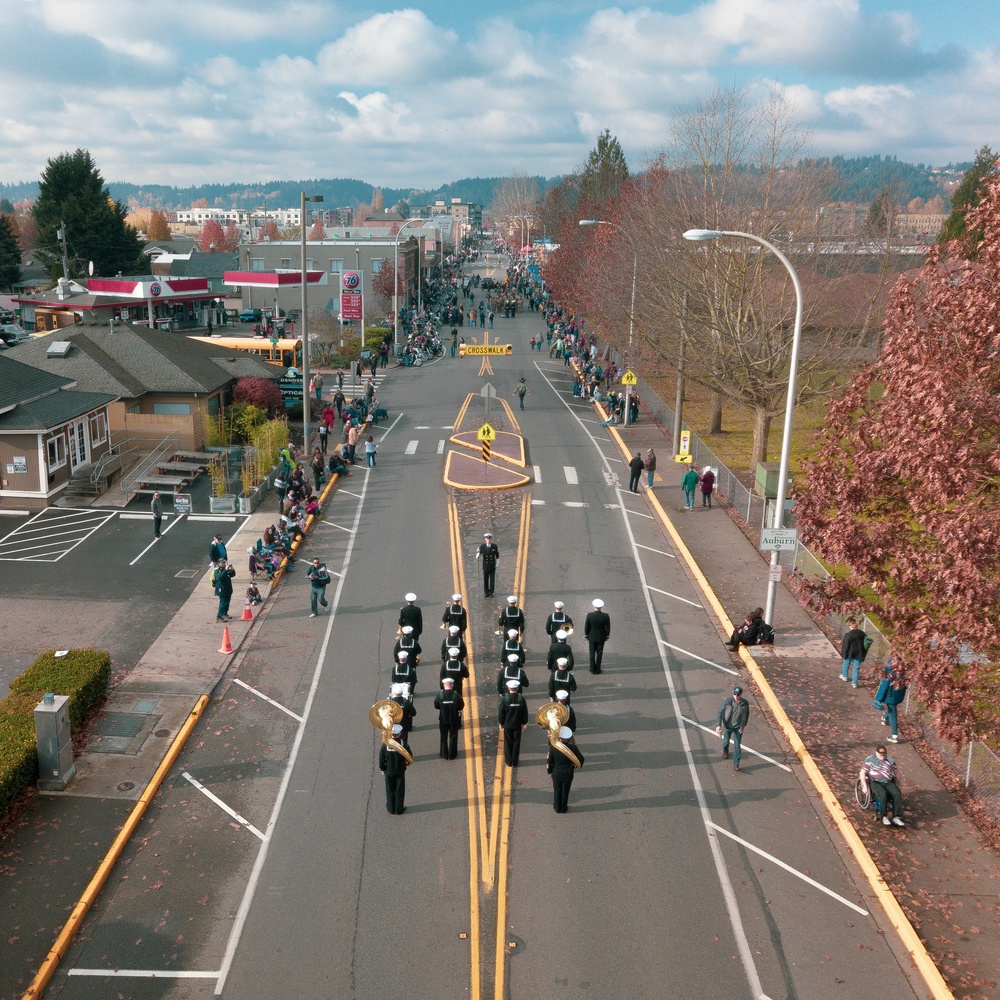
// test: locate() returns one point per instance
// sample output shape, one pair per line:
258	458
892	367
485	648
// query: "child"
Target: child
370	451
253	594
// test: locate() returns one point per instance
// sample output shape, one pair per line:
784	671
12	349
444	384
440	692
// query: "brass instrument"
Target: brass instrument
383	715
552	717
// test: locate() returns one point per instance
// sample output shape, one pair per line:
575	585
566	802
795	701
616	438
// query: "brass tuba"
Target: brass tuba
552	717
383	715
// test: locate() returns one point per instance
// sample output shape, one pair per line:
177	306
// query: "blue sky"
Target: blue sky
182	92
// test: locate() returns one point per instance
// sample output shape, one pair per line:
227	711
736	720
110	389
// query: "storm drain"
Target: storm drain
121	732
186	574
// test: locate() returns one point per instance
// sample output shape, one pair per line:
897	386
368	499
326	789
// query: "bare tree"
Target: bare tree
514	202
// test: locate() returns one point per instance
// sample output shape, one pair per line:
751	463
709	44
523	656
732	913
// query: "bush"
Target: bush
261	392
82	674
18	752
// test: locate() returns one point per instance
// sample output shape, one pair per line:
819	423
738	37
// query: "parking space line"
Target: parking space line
676	597
173	523
746	748
242	820
87	529
659	552
411	448
695	656
264	697
143	974
788	868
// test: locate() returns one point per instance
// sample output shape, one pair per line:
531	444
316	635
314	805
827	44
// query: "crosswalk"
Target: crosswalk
567	474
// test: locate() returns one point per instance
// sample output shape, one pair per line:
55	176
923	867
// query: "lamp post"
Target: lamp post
305	327
631	312
395	286
701	235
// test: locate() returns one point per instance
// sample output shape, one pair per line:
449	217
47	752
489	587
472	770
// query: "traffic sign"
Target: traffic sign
486	433
630	378
779	539
471	349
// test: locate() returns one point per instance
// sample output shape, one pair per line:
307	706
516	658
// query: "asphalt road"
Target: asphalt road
669	876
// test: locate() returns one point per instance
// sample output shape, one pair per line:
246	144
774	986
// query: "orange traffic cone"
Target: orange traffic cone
227	646
247	612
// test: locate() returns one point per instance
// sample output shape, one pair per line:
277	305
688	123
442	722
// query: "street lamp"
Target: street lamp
305	328
631	312
395	285
701	235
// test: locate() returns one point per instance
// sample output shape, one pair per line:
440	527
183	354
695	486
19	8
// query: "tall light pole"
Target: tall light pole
700	235
395	286
631	312
305	328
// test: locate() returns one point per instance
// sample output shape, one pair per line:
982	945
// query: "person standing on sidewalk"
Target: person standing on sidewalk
733	718
217	551
370	449
635	468
853	652
156	506
650	465
893	699
324	435
689	483
222	578
707	486
318	578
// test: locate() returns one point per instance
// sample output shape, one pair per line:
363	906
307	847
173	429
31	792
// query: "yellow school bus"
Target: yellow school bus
285	352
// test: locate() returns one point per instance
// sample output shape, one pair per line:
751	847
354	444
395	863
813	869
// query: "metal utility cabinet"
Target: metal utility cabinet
55	747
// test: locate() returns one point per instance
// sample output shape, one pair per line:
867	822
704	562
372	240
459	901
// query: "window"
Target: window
256	263
377	263
98	427
57	452
337	266
166	408
286	263
214	405
310	264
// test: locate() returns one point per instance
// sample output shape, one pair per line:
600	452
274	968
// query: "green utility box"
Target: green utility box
766	480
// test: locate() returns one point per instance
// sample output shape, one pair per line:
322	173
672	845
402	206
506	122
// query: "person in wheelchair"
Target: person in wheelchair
879	774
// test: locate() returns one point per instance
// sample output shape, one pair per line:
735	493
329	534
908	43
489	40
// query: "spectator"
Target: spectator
880	773
853	650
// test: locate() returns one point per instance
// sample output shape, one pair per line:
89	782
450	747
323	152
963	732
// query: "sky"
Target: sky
204	91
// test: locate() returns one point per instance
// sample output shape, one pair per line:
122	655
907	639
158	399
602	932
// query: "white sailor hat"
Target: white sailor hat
598	603
513	658
559	605
513	685
562	695
488	534
397	729
407	629
512	599
562	661
511	633
410	598
456	597
454	629
453	652
448	680
402	655
398	688
562	634
565	733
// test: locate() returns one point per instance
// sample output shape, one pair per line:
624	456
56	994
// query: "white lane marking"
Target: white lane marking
137	517
104	520
422	427
570	473
789	869
676	597
244	909
212	517
14	513
574	503
347	493
388	430
659	552
142	974
242	820
637	513
411	448
173	524
701	659
441	445
339	527
537	503
538	473
264	697
745	746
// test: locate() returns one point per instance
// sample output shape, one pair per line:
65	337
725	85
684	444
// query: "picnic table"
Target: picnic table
186	467
204	457
168	482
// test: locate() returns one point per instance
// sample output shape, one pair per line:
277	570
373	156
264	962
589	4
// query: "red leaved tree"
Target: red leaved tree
211	237
230	239
261	392
317	231
904	490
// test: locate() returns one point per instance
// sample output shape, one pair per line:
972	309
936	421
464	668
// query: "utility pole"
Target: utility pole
61	235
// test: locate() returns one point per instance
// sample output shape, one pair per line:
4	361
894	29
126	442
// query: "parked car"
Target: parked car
12	335
251	316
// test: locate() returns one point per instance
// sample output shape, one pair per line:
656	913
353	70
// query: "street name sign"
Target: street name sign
779	539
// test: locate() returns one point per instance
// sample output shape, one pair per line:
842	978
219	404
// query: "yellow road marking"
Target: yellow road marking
461	412
510	416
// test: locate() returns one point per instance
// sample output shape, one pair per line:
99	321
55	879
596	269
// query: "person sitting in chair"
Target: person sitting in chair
881	774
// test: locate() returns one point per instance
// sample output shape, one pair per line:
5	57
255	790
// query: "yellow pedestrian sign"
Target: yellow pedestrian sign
486	433
629	378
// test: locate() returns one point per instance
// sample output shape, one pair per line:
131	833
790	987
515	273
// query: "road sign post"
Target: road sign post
486	393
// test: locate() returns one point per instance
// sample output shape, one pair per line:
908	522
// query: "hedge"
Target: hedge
82	674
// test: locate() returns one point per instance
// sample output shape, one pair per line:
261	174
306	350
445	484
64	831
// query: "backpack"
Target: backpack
765	636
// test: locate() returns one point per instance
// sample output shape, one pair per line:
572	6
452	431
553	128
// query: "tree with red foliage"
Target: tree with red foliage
904	489
317	231
211	237
230	239
261	392
382	282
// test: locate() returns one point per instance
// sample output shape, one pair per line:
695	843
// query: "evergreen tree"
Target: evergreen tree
72	193
880	222
605	173
967	196
10	254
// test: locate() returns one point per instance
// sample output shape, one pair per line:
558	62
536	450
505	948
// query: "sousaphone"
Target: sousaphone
552	717
383	715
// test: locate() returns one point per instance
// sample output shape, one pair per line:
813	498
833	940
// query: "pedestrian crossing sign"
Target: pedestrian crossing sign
486	433
630	378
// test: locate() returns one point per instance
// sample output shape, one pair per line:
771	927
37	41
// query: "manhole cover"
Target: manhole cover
162	733
186	574
120	724
122	732
126	786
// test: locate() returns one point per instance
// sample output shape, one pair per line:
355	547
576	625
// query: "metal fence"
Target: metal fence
975	764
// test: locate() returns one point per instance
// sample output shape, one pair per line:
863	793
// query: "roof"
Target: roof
134	360
52	410
20	382
205	265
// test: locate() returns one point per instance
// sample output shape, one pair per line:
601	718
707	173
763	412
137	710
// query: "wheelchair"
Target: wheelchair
865	798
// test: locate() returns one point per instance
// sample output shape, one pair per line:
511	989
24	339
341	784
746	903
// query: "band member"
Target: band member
513	671
512	645
561	679
597	629
399	696
558	620
449	704
408	642
456	639
404	672
490	555
393	765
561	764
511	617
512	718
455	668
560	649
563	698
454	614
410	614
